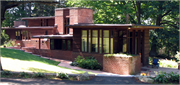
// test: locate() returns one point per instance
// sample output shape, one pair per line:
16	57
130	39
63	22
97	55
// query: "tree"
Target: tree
10	4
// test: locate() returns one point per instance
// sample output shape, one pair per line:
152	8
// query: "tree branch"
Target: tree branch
166	13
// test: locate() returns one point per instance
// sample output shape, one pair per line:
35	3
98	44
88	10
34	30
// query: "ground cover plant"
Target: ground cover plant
15	60
58	76
166	78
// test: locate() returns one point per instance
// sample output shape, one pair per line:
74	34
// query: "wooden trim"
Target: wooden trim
109	41
39	43
91	41
87	40
139	42
127	41
98	40
142	56
133	42
102	41
66	45
80	40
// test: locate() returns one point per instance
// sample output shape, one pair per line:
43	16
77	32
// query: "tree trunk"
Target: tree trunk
138	3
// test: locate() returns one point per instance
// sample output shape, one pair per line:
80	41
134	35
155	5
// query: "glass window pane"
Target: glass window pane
100	41
69	44
64	44
95	41
84	41
51	44
124	45
106	41
111	41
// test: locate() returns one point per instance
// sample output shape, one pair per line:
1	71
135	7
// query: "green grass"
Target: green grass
15	60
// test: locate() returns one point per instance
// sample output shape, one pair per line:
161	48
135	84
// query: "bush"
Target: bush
10	43
63	75
168	63
177	56
4	37
23	74
38	75
164	77
88	63
6	73
74	64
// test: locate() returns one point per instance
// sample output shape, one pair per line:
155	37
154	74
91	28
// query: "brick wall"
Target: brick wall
122	65
59	54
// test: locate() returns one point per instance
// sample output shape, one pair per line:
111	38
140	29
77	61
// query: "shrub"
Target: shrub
74	64
23	74
63	75
88	63
164	77
38	75
177	56
10	43
168	63
5	73
4	37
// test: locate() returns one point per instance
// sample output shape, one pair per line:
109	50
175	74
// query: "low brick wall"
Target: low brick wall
59	54
122	65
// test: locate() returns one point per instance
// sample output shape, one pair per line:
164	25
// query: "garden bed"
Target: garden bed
122	64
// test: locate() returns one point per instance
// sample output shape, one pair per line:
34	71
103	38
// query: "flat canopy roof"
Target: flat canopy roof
45	17
131	26
53	36
36	27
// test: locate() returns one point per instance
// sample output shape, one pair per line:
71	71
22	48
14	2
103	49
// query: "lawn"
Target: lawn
15	60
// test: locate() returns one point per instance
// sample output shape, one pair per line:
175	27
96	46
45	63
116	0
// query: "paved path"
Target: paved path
95	80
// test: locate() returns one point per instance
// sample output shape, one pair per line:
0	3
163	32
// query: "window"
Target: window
60	44
84	41
46	32
100	41
66	29
94	41
122	41
18	35
68	44
89	41
106	41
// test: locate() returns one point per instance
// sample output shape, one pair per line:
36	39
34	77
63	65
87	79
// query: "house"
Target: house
71	32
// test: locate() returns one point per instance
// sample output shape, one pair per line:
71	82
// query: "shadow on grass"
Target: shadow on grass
40	70
20	55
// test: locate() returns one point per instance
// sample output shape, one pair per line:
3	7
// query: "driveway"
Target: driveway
95	80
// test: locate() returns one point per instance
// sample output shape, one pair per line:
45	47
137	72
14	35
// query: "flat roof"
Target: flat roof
133	26
54	36
44	17
35	27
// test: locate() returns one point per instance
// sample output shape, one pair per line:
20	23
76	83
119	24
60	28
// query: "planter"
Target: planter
122	65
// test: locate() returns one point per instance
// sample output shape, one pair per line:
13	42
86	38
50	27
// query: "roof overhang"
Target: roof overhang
54	36
24	28
45	17
120	26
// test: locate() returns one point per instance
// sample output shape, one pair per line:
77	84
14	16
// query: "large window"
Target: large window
122	41
99	41
59	44
106	41
94	41
25	35
84	41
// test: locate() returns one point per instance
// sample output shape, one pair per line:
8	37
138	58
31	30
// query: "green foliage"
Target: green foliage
38	75
177	56
24	75
164	77
6	73
63	75
10	43
74	64
88	63
119	55
168	63
4	37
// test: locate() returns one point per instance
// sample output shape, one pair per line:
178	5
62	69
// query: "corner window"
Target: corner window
84	41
